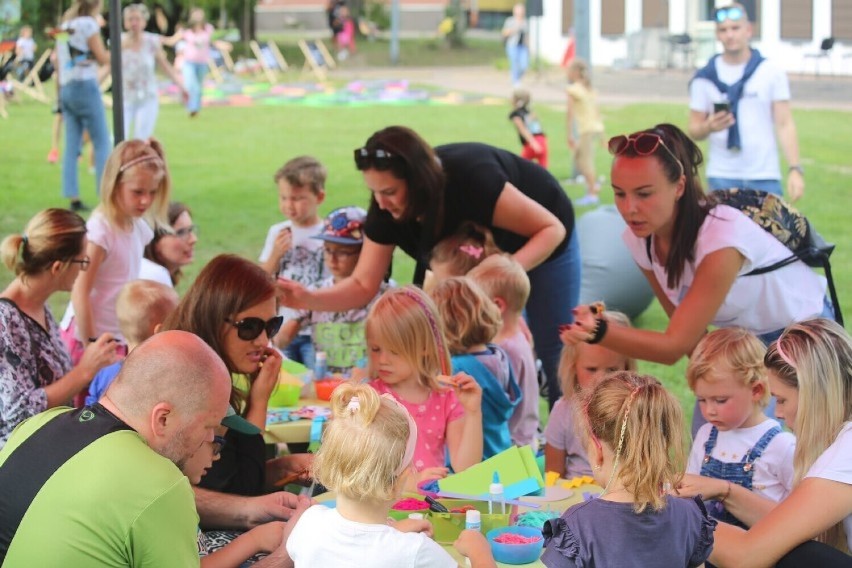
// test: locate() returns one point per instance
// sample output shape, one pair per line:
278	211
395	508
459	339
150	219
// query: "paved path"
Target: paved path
616	86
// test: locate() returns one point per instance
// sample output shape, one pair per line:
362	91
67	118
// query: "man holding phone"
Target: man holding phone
741	102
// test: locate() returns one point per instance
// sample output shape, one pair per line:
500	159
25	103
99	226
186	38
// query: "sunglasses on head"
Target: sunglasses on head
733	13
644	144
249	329
377	159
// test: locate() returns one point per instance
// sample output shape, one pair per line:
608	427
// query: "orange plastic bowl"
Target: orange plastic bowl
325	387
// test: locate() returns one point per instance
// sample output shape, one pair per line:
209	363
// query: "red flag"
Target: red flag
570	52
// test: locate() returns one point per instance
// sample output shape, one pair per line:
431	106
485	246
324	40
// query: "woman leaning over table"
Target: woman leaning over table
35	368
420	195
810	373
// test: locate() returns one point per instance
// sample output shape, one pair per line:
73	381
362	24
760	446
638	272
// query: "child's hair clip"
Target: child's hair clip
471	250
354	405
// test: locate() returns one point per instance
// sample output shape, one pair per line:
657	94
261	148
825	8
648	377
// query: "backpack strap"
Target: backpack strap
29	467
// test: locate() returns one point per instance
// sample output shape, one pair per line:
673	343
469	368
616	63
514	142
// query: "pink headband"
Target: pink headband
783	355
436	333
139	160
410	445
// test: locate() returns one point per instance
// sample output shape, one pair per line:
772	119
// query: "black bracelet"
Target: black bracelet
600	330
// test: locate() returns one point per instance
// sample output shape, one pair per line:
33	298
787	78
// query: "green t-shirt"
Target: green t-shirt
114	503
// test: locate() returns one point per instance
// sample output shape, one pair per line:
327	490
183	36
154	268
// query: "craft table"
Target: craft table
560	506
295	432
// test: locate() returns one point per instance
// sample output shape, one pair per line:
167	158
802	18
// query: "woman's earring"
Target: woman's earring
597	467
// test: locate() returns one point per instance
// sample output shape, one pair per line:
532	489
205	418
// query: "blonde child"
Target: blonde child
505	281
457	254
408	359
634	439
739	444
472	321
142	306
582	106
289	250
367	453
340	335
533	140
135	185
581	367
263	538
25	48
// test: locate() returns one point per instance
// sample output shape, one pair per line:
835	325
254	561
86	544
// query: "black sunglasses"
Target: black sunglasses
734	13
644	144
377	159
249	329
219	443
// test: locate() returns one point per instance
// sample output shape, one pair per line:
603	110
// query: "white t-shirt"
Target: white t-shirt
323	538
760	303
26	45
158	273
758	155
76	66
773	471
835	464
121	264
302	263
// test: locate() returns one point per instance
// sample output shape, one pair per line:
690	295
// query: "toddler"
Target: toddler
408	359
339	334
472	321
289	251
505	281
142	307
583	108
739	444
367	452
457	254
533	140
634	440
581	367
135	185
25	48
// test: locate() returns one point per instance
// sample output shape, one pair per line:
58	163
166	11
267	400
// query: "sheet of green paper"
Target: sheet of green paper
513	465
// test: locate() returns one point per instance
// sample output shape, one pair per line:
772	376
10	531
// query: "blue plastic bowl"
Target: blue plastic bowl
516	553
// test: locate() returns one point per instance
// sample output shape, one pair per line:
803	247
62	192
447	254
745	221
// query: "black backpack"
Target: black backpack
790	227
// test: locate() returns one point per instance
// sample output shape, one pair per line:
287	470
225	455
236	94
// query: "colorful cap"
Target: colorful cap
344	226
236	422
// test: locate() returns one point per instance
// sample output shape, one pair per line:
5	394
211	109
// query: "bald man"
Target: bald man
101	485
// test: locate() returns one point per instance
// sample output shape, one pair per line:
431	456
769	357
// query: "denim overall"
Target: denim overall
740	472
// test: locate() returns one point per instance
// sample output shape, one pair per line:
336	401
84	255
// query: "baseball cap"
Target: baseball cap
344	226
236	422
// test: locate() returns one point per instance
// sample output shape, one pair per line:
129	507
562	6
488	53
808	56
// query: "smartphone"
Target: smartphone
721	107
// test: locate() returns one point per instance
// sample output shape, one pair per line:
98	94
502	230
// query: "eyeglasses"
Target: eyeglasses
377	159
733	13
249	329
219	444
340	253
644	144
185	232
83	262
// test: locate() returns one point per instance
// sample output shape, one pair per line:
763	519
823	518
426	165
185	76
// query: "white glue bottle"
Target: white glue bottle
495	491
473	520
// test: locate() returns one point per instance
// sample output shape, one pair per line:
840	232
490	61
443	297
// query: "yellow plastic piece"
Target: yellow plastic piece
550	478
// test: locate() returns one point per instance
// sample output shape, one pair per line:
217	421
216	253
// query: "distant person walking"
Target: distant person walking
516	35
741	102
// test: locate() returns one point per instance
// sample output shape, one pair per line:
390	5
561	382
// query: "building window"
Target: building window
567	16
797	18
841	19
612	17
655	14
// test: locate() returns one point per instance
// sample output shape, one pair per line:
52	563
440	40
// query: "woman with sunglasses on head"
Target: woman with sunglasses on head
231	306
172	248
696	254
35	367
421	195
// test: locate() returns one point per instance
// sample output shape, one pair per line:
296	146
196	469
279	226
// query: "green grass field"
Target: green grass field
222	165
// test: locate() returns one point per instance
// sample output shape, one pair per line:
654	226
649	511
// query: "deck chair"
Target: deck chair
220	59
318	60
31	84
270	59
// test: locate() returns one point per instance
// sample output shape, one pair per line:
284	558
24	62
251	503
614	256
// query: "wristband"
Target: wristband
799	169
598	333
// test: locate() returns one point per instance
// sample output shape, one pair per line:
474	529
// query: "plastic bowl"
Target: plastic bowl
516	553
285	395
325	387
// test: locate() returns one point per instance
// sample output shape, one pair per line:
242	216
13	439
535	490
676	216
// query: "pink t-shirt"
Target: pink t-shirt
431	417
197	48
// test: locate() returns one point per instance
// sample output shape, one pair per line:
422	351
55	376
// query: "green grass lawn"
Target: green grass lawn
222	165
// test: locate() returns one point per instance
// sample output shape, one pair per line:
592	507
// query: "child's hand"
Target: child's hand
708	487
474	545
414	526
432	473
283	242
468	392
267	537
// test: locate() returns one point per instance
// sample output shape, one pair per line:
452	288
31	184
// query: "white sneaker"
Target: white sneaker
586	200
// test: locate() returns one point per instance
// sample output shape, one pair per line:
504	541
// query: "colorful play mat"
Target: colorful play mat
233	92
